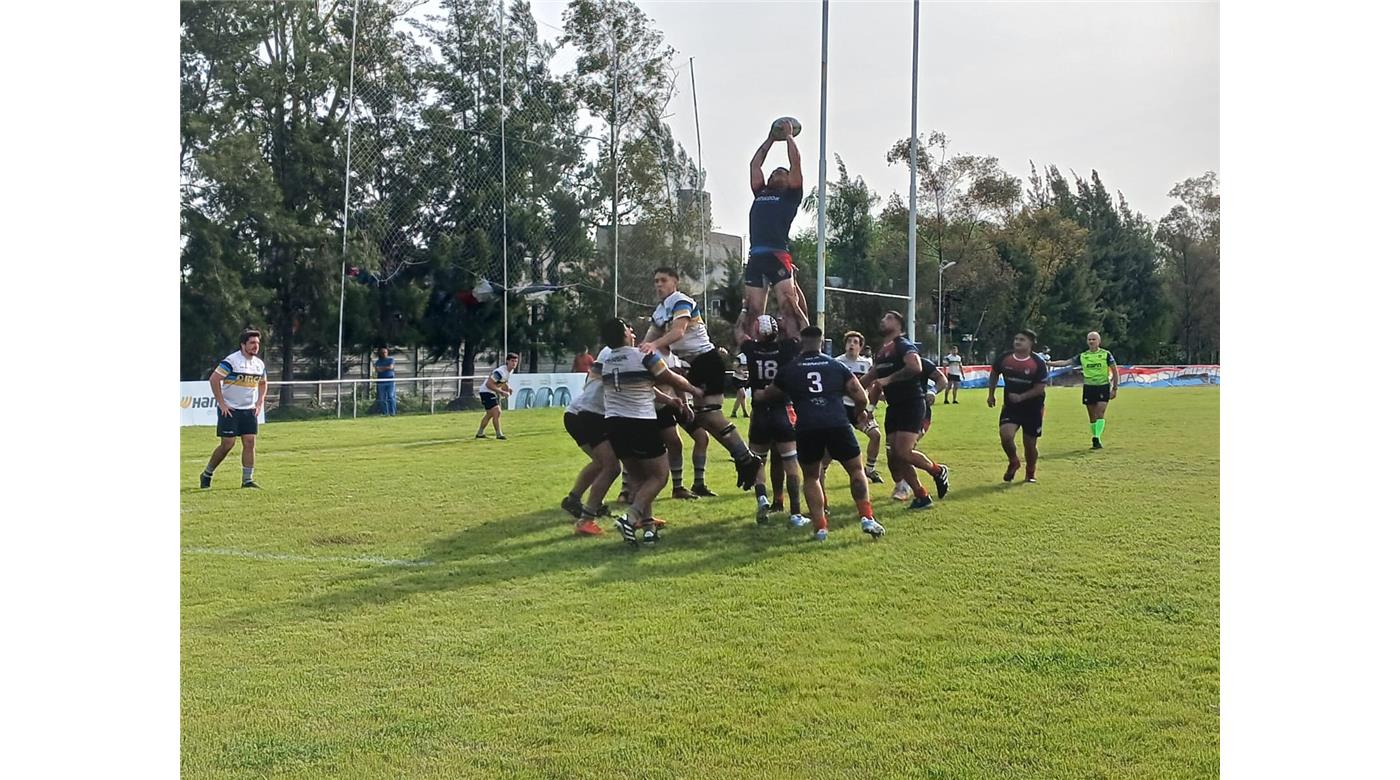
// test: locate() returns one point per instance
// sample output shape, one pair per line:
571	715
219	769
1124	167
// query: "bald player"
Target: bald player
1100	383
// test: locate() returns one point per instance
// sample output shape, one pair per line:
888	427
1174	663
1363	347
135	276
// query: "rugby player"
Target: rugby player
860	365
497	383
776	201
677	326
898	372
586	424
239	383
953	361
629	380
771	427
1025	375
816	384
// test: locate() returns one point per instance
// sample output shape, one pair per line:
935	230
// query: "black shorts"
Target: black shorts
666	417
765	269
907	416
839	443
771	425
242	423
707	373
1031	417
1096	394
586	428
954	378
634	438
489	401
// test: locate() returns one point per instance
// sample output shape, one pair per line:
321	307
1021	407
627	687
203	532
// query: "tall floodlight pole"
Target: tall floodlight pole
613	126
913	180
700	196
345	225
821	187
505	278
942	266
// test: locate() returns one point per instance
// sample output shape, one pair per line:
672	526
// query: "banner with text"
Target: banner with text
198	407
1128	376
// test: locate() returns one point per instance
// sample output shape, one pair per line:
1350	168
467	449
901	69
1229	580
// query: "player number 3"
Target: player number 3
814	380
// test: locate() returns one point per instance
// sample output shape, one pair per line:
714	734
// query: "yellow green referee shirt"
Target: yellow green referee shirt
1095	365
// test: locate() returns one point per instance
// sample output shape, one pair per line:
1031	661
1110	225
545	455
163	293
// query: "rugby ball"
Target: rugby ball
776	131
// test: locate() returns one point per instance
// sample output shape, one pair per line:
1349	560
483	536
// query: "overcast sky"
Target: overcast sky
1128	88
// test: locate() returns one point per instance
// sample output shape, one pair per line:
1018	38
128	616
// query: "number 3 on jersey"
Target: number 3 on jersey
814	380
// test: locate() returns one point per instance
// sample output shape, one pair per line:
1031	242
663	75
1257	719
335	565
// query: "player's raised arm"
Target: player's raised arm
756	180
794	161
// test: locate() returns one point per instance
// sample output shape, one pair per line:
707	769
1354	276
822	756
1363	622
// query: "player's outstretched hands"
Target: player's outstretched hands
646	348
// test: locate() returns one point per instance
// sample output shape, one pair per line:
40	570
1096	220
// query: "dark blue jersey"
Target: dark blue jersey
926	378
771	216
765	359
891	359
816	384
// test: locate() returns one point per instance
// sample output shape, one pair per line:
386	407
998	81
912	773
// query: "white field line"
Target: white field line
270	556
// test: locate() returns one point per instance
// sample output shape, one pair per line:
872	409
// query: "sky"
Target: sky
1130	89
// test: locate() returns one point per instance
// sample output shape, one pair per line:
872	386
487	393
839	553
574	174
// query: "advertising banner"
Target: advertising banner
537	391
198	407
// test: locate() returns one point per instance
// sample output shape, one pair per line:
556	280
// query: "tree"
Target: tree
1188	239
262	99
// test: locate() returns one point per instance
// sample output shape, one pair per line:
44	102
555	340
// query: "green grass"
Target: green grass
1068	629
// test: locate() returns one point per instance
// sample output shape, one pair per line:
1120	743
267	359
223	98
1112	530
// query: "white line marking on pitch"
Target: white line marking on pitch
269	556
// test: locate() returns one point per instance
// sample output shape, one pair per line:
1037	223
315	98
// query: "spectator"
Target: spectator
384	391
583	362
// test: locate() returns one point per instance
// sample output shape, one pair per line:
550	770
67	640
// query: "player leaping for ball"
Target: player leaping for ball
678	325
816	384
776	201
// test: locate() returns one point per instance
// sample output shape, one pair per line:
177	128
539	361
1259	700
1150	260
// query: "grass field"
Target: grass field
404	601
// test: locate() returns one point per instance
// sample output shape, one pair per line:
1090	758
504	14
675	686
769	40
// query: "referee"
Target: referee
1100	383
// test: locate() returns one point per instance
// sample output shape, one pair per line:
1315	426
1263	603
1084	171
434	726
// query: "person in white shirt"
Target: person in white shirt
239	383
858	364
630	376
952	366
497	385
585	424
678	326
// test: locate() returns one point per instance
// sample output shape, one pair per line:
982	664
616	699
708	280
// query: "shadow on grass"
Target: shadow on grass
520	548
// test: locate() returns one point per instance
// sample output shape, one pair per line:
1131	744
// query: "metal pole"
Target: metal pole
821	188
700	202
939	354
345	226
505	278
913	181
615	233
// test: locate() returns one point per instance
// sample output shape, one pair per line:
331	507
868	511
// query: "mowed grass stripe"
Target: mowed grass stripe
1065	629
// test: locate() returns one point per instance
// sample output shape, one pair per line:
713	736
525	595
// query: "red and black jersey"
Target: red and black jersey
1021	374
